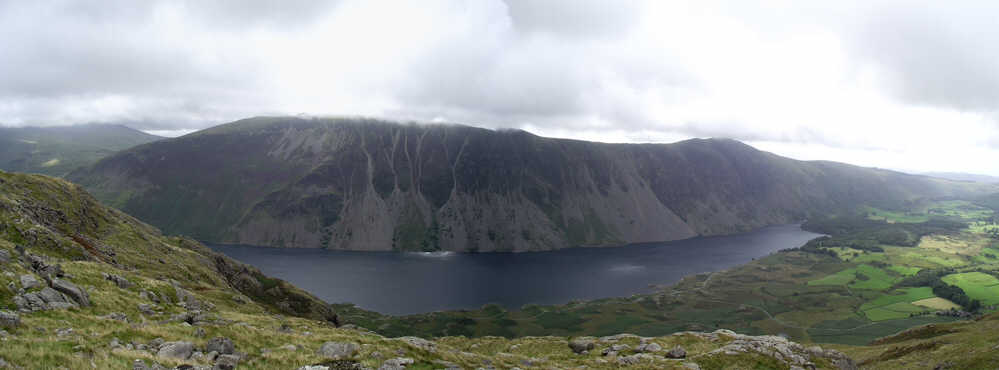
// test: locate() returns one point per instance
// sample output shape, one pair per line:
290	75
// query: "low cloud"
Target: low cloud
881	76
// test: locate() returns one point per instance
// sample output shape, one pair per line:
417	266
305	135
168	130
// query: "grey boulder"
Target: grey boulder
579	345
29	281
226	362
221	345
337	349
176	350
74	292
9	319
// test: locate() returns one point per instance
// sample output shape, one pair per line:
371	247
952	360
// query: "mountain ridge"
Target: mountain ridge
57	150
365	184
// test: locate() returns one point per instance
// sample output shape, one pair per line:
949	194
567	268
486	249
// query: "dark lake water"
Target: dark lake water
406	283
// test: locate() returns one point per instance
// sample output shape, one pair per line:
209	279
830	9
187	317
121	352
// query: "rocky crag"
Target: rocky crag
362	184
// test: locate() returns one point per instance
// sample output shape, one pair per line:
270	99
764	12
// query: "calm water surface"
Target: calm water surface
406	283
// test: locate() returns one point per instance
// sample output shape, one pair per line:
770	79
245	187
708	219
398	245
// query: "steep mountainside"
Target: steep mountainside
56	151
373	185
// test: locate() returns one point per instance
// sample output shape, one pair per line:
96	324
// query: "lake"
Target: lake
407	283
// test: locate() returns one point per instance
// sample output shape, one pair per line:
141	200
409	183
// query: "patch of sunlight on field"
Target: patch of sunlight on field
951	245
51	162
977	285
937	260
936	303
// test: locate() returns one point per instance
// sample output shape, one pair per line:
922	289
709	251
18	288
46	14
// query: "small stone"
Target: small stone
139	365
289	347
118	280
146	309
691	366
116	316
620	347
199	333
4	256
396	363
156	343
677	352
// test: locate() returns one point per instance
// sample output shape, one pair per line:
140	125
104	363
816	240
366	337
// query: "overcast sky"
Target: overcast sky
903	85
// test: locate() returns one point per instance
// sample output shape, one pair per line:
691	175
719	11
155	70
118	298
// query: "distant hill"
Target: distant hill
56	151
364	184
958	176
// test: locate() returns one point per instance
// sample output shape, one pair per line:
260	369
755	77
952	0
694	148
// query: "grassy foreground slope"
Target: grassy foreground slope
85	287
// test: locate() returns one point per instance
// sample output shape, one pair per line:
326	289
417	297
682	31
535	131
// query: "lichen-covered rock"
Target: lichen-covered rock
337	349
226	362
118	280
419	343
74	292
176	350
221	345
578	345
30	302
635	359
677	352
648	347
9	319
785	351
29	281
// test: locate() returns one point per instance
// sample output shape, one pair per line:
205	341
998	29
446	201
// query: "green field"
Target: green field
873	278
840	278
904	270
860	277
894	216
977	285
901	295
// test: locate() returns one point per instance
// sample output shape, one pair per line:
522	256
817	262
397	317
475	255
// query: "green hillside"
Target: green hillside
56	151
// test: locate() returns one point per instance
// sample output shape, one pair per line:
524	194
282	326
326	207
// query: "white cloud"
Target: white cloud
876	83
